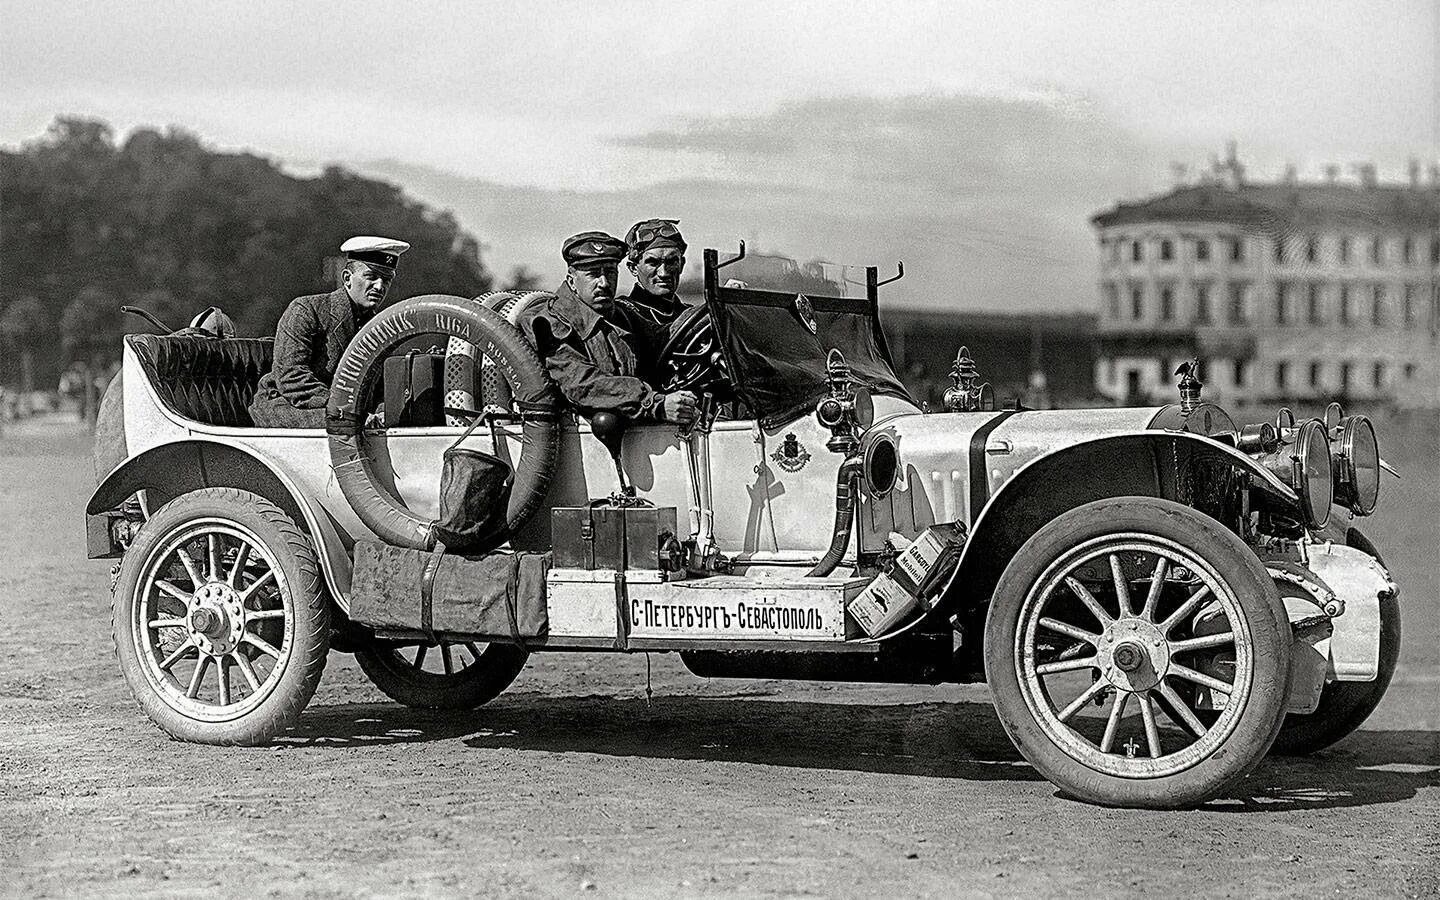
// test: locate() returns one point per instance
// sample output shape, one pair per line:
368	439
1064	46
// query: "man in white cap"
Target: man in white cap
314	331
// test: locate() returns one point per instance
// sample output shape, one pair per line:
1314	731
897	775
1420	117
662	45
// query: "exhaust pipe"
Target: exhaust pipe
847	498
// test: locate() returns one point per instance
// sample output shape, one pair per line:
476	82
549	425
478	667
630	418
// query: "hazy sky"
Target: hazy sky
971	139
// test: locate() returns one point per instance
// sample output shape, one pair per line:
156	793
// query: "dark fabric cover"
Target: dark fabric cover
778	366
210	380
472	595
310	339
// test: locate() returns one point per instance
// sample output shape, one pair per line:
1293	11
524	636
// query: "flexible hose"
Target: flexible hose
847	495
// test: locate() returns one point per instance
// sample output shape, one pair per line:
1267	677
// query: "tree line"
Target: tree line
160	221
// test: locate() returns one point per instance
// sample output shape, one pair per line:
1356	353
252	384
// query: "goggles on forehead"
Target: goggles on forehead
647	233
663	228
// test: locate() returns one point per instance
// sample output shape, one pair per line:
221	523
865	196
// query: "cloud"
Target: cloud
986	198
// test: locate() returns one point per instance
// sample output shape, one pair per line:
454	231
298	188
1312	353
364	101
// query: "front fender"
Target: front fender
168	470
1137	463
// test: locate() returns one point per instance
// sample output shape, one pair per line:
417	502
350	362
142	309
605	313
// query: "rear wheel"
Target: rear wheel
220	622
1094	646
445	675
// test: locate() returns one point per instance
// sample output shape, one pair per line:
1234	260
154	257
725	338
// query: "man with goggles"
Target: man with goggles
655	255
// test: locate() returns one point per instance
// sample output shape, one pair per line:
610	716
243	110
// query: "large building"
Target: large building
1287	291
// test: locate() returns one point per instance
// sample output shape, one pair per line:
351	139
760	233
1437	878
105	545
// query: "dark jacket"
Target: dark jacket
654	309
592	358
310	338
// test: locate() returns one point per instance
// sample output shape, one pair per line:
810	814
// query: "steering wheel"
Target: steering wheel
690	359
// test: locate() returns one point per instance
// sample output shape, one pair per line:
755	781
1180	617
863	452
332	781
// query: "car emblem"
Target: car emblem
792	456
806	311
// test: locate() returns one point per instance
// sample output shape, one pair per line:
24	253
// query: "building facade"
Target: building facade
1285	291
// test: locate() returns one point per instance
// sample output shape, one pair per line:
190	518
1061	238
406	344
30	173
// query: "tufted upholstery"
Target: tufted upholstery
209	380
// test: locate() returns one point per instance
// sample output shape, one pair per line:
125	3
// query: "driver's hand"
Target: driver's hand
680	407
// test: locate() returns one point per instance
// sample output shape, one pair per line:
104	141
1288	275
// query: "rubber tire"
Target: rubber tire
1234	562
1345	705
295	556
472	687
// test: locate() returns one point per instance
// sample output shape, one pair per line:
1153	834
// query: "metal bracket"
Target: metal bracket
733	259
900	273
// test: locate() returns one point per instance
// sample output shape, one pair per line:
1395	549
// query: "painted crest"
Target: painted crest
806	311
792	455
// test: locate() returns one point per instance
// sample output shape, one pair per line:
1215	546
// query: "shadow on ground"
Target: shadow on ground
939	740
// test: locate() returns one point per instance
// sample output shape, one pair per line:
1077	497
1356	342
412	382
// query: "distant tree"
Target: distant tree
169	224
522	278
21	327
90	327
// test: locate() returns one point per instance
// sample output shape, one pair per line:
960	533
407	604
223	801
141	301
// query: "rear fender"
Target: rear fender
169	470
1139	464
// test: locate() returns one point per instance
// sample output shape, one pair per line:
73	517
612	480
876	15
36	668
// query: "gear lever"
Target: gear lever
609	428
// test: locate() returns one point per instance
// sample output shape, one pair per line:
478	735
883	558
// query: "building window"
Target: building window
1377	250
1345	369
1409	371
1137	303
1407	250
1312	249
1344	317
1435	251
1410	306
1136	252
1279	249
1238	312
1282	303
1377	312
1167	250
1314	374
1112	301
1344	249
1239	373
1379	376
1202	305
1202	250
1237	250
1316	312
1282	376
1167	304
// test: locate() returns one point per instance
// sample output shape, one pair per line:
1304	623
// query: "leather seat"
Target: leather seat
209	380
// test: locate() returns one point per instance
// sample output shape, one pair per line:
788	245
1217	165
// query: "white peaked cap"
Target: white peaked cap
380	251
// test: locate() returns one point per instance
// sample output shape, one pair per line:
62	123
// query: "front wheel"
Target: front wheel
220	621
1108	628
448	675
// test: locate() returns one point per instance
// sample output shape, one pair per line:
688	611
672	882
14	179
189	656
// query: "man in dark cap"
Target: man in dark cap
655	255
588	343
314	331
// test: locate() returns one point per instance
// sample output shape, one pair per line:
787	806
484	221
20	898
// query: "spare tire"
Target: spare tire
536	400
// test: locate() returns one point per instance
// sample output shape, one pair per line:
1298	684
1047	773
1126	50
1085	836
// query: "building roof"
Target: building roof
1286	207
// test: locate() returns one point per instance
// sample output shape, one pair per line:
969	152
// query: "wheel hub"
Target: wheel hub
216	618
1133	654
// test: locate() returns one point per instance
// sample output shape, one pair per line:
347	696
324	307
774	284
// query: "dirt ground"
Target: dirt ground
574	783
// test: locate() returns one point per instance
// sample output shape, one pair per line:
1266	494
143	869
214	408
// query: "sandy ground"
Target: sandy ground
574	783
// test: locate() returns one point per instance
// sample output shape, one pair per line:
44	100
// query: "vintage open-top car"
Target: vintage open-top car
1153	595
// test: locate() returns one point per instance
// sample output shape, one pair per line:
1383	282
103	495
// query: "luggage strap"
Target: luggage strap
512	605
427	590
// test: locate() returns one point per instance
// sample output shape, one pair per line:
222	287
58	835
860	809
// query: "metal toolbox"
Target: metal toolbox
611	537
